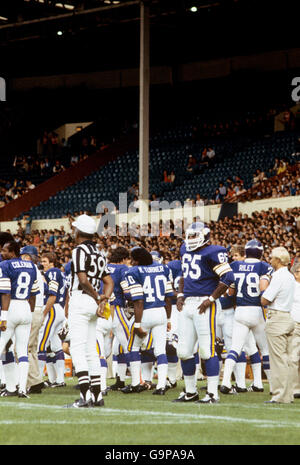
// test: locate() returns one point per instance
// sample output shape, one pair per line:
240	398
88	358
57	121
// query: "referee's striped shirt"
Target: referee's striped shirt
87	258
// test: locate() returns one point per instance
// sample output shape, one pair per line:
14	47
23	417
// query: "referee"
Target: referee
85	306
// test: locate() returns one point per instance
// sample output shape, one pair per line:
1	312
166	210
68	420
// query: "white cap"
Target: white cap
85	224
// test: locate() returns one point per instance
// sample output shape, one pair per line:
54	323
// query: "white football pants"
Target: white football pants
193	327
82	331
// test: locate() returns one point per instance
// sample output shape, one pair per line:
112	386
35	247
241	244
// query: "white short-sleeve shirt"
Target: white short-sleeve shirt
280	291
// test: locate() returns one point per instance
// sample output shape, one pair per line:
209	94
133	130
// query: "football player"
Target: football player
206	276
225	320
7	364
172	336
151	291
121	316
54	317
18	288
251	277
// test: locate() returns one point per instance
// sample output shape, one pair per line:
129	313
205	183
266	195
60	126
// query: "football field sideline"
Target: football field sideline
104	415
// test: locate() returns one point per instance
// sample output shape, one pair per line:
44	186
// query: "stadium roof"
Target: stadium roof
57	36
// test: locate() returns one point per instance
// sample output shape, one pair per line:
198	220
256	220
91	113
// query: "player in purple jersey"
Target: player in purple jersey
206	276
54	317
7	364
118	266
18	288
251	278
151	291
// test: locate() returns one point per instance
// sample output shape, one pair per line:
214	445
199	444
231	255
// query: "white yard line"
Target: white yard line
104	415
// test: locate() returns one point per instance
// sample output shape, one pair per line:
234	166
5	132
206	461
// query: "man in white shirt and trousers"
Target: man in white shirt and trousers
279	297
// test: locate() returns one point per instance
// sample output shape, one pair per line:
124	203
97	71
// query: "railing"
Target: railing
68	177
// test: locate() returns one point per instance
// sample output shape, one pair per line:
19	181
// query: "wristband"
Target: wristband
211	298
4	315
180	295
137	325
168	320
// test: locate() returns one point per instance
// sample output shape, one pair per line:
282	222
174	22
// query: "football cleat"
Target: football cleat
226	390
118	385
6	393
129	389
105	392
55	385
239	389
149	385
99	403
187	397
80	403
297	396
208	399
253	388
170	385
23	395
47	383
36	389
159	392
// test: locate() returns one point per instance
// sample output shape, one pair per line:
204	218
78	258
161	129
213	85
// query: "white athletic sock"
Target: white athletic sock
240	374
23	373
17	372
147	371
228	369
172	369
190	384
103	377
196	372
9	372
60	371
2	375
122	367
135	368
51	372
212	385
114	368
268	375
162	371
256	370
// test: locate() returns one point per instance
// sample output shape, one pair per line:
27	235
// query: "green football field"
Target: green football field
147	419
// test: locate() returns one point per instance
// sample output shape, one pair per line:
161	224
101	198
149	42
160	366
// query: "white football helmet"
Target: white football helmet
196	235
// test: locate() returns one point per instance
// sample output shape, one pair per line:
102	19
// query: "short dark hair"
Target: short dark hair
85	235
14	247
142	256
52	257
5	237
119	254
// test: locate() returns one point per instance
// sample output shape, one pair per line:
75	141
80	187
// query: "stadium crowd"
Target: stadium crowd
273	227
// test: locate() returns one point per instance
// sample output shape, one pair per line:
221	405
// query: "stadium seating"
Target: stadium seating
169	150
